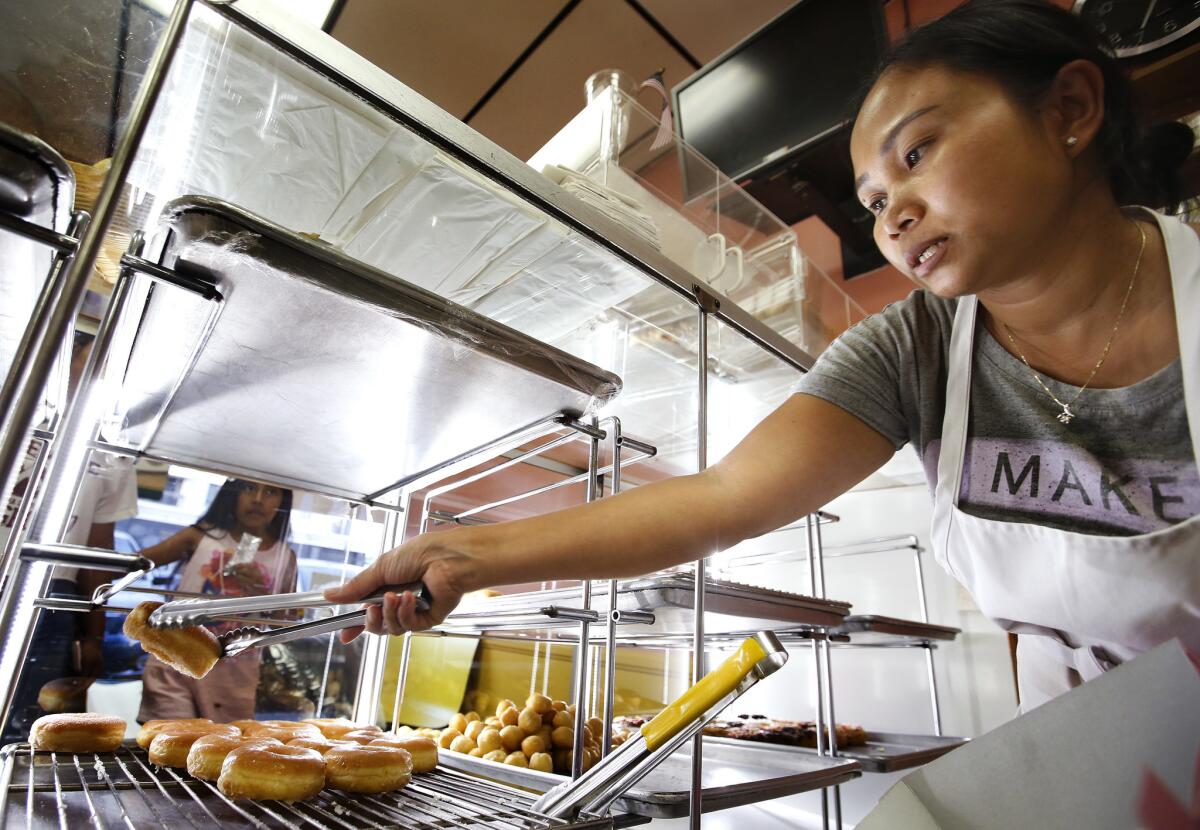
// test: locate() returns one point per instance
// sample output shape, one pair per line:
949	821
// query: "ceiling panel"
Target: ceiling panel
707	28
547	91
450	51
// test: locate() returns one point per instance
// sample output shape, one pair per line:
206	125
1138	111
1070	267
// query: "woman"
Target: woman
1047	370
240	509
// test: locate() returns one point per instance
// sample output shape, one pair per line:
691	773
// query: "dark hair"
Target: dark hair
1022	44
222	513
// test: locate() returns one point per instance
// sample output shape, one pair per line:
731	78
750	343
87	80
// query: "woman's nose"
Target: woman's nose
900	217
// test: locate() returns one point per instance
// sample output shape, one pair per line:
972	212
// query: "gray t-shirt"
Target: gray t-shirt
1124	466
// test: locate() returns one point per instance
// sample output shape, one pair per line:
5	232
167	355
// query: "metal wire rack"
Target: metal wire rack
123	789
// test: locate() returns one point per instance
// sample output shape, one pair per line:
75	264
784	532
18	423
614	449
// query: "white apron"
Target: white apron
1081	603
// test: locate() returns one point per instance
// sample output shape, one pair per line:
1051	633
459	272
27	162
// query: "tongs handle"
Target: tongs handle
697	700
596	790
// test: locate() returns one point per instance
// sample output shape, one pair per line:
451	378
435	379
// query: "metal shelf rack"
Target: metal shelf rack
123	789
143	280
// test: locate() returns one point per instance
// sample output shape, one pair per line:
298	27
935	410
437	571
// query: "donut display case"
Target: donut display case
336	288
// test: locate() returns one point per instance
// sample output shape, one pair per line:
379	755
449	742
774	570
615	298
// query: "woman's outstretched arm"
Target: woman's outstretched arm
800	457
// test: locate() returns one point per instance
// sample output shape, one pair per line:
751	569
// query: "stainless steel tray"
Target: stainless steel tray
36	183
868	629
321	372
729	606
38	187
735	773
892	751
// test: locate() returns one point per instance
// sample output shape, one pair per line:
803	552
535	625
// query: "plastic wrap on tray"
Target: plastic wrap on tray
375	379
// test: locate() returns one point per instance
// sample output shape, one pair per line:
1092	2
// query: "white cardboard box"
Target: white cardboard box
1076	762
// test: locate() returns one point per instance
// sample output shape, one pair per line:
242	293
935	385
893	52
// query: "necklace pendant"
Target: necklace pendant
1066	415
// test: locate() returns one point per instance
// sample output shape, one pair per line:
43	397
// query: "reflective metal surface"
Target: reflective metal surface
892	751
321	371
735	773
871	628
731	608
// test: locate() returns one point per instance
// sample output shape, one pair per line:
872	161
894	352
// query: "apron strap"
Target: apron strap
1088	661
954	425
1183	257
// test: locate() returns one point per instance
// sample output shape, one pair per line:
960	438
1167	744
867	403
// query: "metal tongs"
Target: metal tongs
186	612
596	790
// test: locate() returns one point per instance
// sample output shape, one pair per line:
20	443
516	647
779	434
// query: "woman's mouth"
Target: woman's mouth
924	259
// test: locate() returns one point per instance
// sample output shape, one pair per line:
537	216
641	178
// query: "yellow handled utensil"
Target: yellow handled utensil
596	790
697	700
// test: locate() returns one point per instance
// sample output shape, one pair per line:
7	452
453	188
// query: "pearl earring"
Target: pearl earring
1072	141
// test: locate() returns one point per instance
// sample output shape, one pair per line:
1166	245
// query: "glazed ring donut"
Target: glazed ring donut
362	736
424	751
282	730
192	651
170	747
321	745
333	728
207	754
152	727
76	733
367	769
281	773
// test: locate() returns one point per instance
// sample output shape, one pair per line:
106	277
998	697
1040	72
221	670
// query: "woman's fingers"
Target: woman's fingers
374	619
391	607
349	635
408	612
360	586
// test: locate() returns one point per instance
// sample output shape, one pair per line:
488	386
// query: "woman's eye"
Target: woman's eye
877	204
913	157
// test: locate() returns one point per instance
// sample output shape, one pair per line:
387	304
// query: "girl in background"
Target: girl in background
240	508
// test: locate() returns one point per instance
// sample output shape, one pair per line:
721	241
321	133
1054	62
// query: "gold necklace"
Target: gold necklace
1067	415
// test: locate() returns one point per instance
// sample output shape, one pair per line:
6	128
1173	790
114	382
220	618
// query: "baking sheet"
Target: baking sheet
321	372
728	606
893	751
734	773
868	629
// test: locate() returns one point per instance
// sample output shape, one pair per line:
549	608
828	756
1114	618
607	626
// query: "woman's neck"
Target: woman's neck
1061	313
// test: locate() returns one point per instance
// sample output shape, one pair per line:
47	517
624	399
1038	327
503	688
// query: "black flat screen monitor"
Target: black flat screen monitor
787	87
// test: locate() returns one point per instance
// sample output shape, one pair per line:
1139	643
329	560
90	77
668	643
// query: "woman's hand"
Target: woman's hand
444	567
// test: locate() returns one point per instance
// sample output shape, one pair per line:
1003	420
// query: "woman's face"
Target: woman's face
964	182
257	505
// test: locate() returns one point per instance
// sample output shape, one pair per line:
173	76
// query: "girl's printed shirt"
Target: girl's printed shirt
273	571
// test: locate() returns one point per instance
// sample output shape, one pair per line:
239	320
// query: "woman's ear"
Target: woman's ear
1073	107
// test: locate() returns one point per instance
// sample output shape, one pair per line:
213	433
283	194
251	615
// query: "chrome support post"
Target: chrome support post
933	691
827	653
934	698
813	588
610	634
31	366
585	604
706	304
401	678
